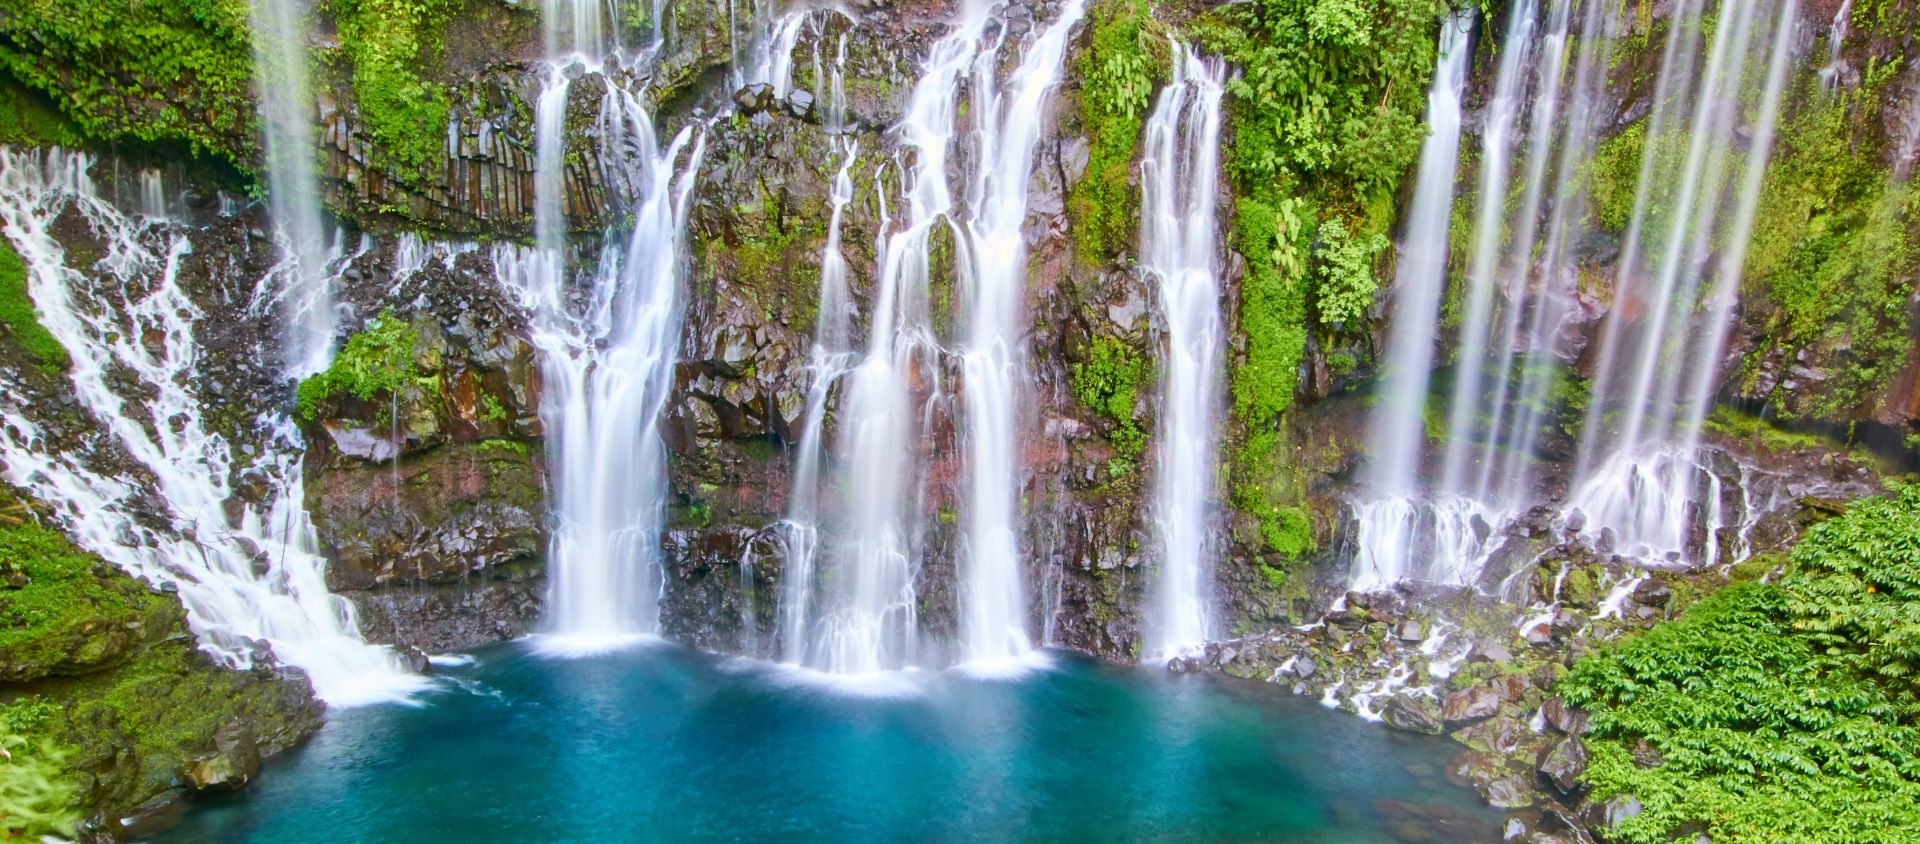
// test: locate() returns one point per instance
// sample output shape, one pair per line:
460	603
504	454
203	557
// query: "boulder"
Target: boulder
1414	714
1488	651
232	764
1469	705
1563	718
1562	765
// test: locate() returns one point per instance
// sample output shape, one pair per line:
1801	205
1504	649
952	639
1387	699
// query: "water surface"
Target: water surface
664	744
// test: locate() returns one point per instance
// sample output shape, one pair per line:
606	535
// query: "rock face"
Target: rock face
429	493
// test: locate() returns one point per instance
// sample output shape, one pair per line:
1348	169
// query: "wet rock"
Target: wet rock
1413	713
1409	632
1646	755
1611	811
1469	705
799	104
1488	651
1562	765
412	658
754	98
1651	592
232	764
1563	718
1305	667
1509	792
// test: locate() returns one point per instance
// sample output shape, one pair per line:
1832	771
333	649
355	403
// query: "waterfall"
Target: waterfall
303	289
1389	521
1180	197
867	618
829	359
607	351
993	272
150	493
1661	351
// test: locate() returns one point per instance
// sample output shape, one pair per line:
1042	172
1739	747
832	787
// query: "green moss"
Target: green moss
388	41
1614	174
74	612
490	408
22	320
514	447
376	361
177	72
1108	381
30	118
1126	56
1835	248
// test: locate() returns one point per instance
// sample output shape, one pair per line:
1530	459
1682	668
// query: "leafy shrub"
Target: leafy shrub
1780	712
376	361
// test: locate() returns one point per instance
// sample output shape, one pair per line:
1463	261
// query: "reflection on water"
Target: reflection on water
663	744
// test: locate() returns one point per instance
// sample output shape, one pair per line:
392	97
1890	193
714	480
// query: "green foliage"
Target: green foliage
177	71
1344	265
1273	306
1289	531
1834	248
1857	590
1108	381
1783	711
388	41
20	317
1331	88
1126	56
35	799
375	361
1325	119
490	408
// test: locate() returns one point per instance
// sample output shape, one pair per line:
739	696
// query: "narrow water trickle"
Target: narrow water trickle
1180	198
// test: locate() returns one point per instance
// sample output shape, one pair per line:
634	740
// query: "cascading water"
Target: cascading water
1518	293
993	367
867	619
1180	197
1390	521
607	351
303	288
129	328
1639	480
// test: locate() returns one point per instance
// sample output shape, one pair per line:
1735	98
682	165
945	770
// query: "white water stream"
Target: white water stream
1180	253
246	574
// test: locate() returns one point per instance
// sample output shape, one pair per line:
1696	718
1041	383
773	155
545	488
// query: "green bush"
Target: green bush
1780	712
1108	381
376	361
178	71
35	799
387	42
